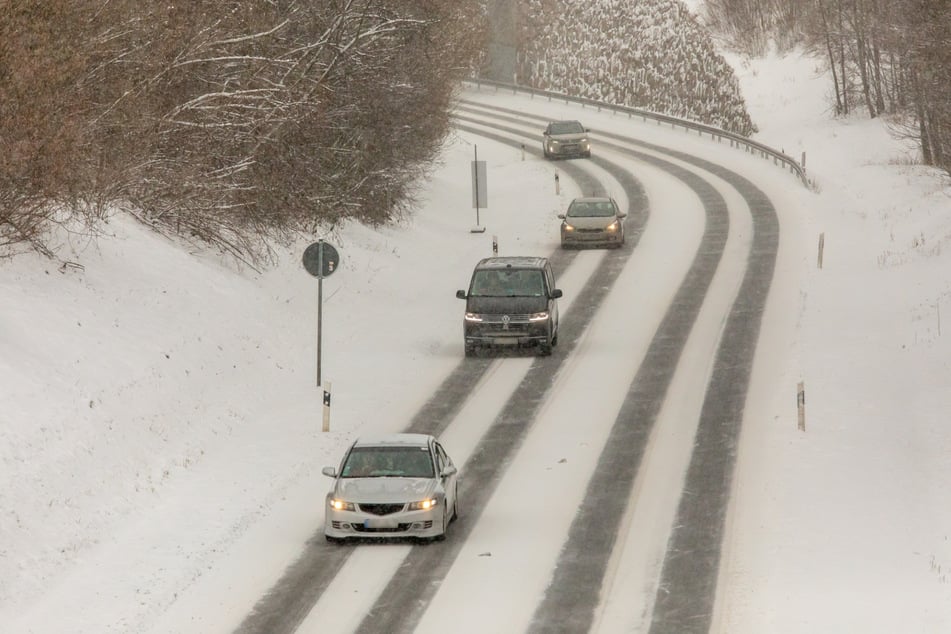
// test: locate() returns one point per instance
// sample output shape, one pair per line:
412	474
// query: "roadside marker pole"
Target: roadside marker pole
801	405
326	425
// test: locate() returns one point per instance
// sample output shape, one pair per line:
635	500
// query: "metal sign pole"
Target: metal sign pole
320	302
479	191
475	151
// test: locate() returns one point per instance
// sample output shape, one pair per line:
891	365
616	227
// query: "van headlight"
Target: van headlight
473	317
538	316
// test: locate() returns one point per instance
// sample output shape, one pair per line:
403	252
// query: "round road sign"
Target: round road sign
321	259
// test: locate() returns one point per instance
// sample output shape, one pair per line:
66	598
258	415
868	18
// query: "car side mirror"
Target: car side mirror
546	133
555	294
461	295
622	215
562	216
330	472
448	471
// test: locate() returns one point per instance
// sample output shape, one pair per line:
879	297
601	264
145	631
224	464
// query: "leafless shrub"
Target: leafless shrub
233	123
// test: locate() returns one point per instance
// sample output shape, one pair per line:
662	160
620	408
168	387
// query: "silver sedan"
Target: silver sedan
595	221
395	485
564	139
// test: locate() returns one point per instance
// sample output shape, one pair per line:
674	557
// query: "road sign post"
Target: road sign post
320	260
479	188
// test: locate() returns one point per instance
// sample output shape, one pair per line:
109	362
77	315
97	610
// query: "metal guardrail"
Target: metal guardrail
718	134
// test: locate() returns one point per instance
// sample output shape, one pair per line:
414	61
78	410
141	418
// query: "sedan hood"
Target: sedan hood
568	138
507	305
384	489
584	222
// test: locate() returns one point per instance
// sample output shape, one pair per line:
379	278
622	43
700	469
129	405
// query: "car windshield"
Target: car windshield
591	209
375	462
508	283
566	127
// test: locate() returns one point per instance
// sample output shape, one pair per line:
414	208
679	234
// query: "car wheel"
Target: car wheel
455	507
544	347
441	537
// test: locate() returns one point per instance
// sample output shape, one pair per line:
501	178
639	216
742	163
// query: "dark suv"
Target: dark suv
512	301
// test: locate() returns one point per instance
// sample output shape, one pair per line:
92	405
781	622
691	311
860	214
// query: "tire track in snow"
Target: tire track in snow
403	602
684	601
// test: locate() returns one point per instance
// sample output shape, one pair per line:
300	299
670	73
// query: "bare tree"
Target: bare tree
891	56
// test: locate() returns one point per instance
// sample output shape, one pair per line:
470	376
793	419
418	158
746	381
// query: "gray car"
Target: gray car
593	221
393	485
565	139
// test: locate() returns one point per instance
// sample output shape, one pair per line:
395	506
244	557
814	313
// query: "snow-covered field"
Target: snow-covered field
159	420
848	531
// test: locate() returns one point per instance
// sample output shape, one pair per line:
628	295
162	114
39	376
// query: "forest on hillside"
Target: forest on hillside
237	123
648	54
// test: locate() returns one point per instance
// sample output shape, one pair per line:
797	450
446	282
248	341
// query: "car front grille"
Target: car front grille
381	509
502	319
400	528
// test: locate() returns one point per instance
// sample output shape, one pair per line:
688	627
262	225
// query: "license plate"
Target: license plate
379	522
505	341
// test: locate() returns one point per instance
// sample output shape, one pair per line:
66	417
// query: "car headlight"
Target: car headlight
553	142
423	505
473	317
341	505
611	228
568	227
538	316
